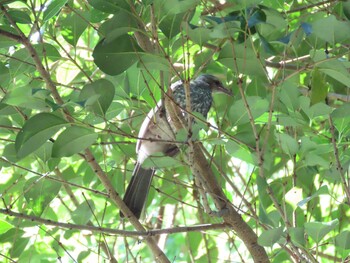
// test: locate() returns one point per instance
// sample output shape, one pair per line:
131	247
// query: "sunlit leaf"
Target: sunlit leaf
53	8
73	140
39	192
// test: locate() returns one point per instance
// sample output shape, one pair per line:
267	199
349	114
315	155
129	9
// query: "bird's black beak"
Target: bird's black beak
222	89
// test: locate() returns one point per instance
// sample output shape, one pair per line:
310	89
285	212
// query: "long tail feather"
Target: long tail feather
136	193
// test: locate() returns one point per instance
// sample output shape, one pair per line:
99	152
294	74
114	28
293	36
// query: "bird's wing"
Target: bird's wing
156	135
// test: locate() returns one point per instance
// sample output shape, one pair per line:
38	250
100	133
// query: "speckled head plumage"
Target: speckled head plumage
214	83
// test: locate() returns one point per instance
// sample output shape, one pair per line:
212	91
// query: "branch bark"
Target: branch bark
202	170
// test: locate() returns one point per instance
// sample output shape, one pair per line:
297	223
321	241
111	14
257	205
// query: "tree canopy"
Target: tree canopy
264	179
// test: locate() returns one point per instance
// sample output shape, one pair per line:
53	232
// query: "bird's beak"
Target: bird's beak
222	89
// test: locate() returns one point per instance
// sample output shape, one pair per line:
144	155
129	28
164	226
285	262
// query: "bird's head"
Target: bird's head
214	83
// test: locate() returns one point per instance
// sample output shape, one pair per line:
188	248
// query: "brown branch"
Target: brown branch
113	231
302	8
339	166
202	170
10	35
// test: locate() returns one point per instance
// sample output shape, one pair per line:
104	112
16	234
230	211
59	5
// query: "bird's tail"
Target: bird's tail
136	193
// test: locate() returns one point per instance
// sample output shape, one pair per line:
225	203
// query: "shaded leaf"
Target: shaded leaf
109	6
73	25
297	235
318	230
20	16
331	30
270	237
289	144
98	96
154	62
83	213
343	240
319	88
123	50
36	131
258	107
307	28
244	57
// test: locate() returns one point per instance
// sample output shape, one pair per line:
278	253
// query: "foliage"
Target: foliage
78	78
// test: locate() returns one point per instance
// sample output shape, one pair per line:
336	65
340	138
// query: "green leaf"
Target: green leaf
171	24
242	59
240	151
154	62
20	16
117	55
267	46
331	30
22	97
288	144
39	193
53	8
83	255
109	6
44	152
22	62
161	161
318	230
73	25
73	140
319	88
270	237
10	153
173	7
343	240
83	213
346	9
4	226
195	239
341	118
338	76
5	41
98	96
199	35
297	235
334	68
36	131
258	107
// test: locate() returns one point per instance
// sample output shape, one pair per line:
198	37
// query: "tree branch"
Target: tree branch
202	170
113	231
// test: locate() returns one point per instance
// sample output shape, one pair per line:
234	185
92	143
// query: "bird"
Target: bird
157	134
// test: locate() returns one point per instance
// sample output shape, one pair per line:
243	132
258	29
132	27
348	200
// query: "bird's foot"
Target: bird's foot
221	213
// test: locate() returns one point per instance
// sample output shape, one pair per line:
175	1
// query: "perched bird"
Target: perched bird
156	134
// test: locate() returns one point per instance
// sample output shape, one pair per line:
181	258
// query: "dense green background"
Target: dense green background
279	147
